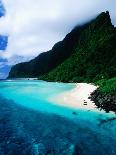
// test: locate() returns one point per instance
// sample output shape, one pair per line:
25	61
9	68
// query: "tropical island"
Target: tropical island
62	101
86	55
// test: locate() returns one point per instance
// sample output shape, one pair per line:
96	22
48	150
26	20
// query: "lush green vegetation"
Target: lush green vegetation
94	57
107	86
47	61
105	96
87	54
84	54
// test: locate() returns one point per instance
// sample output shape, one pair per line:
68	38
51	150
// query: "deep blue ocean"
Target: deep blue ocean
31	125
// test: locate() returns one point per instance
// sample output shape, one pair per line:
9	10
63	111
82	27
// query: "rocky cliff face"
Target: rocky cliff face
62	59
106	102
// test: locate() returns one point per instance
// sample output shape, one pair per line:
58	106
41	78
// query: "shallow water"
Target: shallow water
31	125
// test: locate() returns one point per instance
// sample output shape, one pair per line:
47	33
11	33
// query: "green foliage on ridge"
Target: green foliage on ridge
48	61
107	86
86	54
94	57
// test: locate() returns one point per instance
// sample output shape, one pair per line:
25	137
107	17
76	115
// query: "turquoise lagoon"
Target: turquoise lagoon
31	125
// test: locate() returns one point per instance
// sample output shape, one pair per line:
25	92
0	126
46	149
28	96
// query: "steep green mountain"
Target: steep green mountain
87	53
94	56
47	61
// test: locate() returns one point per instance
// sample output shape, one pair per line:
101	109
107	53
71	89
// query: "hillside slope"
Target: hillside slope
87	54
47	61
94	57
80	40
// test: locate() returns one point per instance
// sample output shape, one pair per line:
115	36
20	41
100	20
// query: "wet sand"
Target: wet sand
76	98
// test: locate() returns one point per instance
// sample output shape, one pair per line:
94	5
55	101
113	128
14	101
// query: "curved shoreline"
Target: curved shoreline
77	98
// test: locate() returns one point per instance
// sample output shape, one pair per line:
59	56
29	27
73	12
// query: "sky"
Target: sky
34	26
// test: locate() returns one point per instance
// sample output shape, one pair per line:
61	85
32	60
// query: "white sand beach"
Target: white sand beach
77	98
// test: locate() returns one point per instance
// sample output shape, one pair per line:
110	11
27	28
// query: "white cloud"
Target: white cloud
34	26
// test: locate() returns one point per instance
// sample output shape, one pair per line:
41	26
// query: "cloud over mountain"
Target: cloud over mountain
34	26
